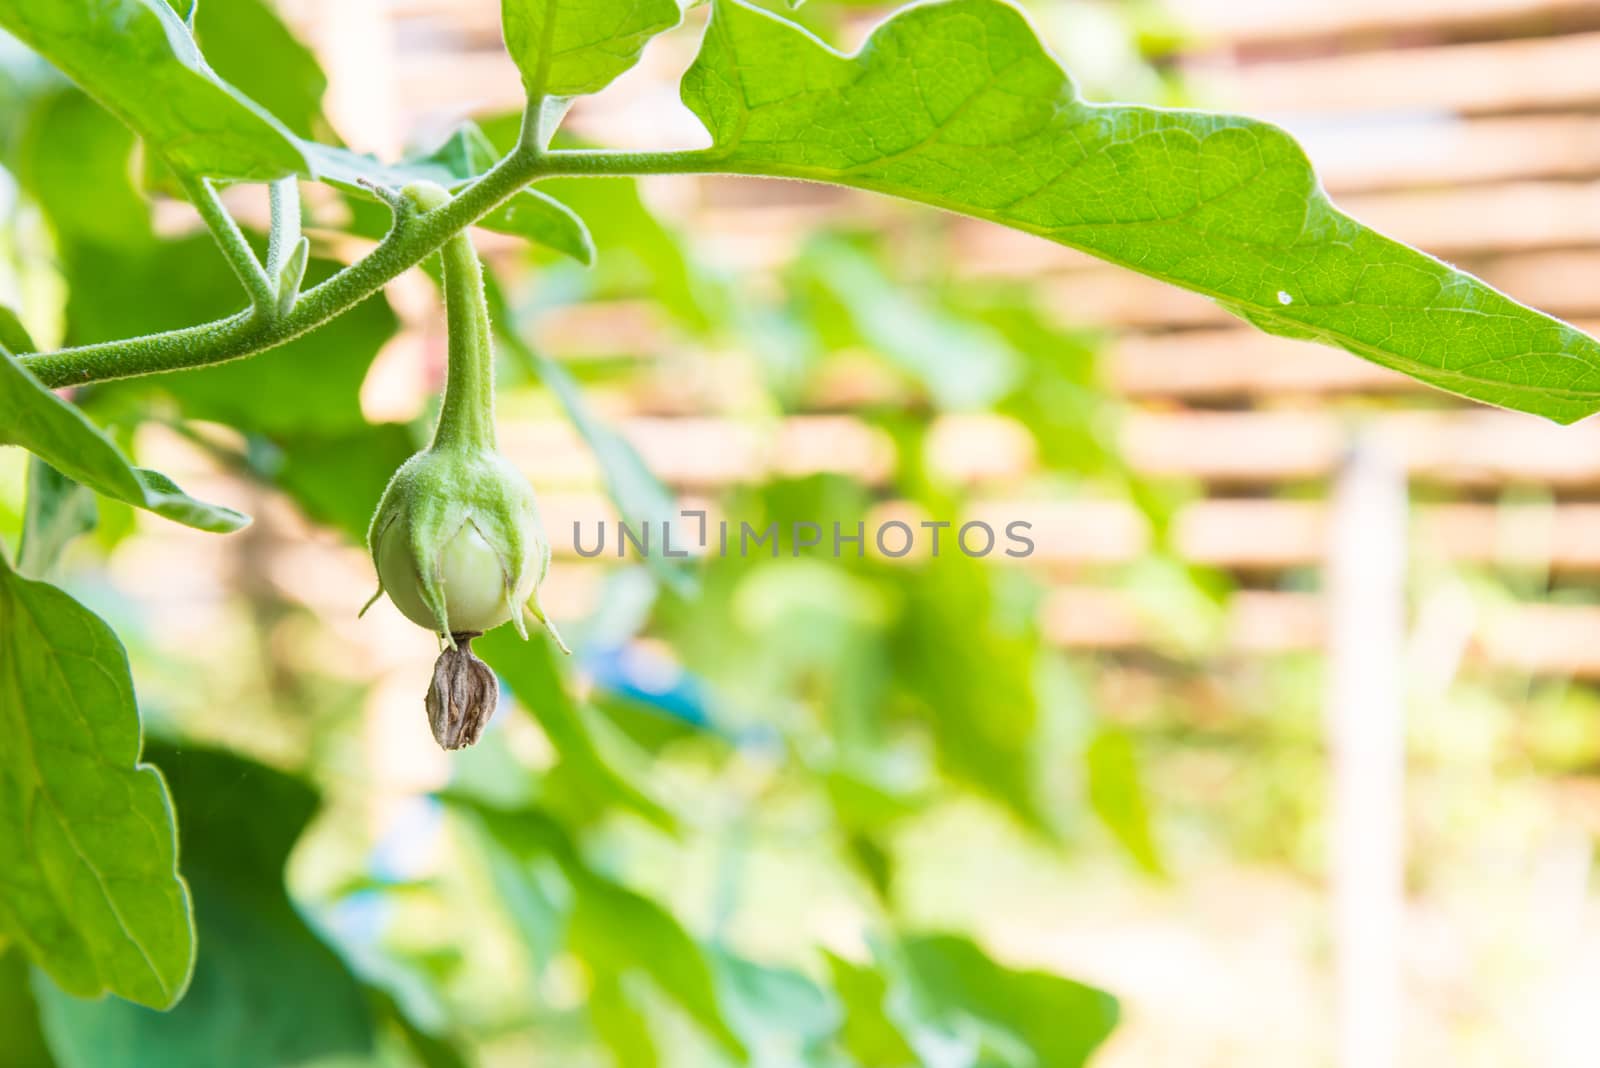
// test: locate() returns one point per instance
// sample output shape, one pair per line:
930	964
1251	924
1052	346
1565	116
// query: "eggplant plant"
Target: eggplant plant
953	104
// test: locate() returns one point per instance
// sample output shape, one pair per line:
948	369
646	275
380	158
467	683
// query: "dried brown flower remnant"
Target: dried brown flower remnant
462	697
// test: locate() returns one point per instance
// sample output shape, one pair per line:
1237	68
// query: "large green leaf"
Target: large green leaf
266	991
89	885
572	47
62	436
958	105
139	60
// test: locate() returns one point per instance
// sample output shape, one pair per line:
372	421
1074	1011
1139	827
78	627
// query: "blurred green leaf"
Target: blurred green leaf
638	495
529	214
465	153
539	217
58	510
91	890
620	931
47	426
939	999
338	480
868	1034
266	991
972	672
959	106
75	160
139	60
25	76
621	1025
617	932
248	45
957	989
310	387
962	365
1117	795
785	1019
14	337
573	47
429	1050
23	1045
867	803
590	785
642	250
1061	398
106	246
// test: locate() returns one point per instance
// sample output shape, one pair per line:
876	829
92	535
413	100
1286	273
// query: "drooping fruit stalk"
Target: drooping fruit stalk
456	537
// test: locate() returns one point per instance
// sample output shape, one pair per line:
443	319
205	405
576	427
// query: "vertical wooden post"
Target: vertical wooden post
1366	740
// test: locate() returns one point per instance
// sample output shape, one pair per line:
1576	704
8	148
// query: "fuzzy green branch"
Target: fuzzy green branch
284	197
413	239
606	163
231	240
257	329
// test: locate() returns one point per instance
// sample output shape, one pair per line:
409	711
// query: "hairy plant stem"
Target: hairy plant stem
248	332
466	413
284	196
412	239
230	239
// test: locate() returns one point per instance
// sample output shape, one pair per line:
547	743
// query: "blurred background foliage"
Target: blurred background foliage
780	812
